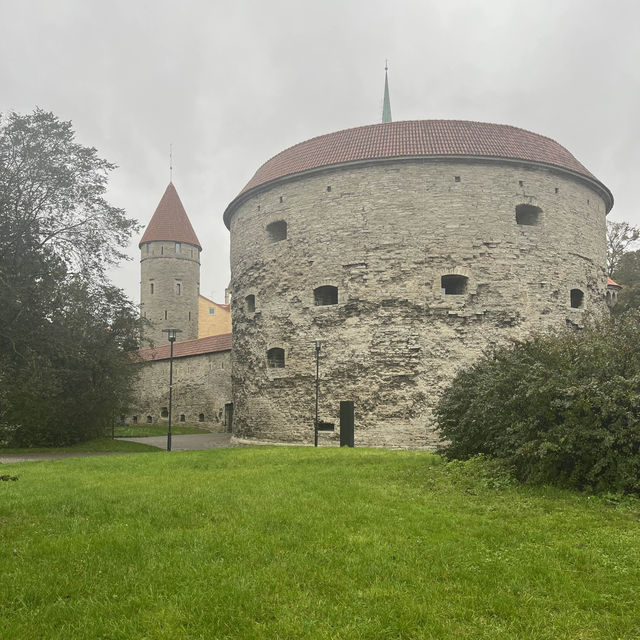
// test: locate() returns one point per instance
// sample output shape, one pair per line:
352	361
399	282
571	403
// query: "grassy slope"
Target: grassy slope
297	543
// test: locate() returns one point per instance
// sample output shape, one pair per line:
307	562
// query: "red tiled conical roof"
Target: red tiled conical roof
418	138
170	221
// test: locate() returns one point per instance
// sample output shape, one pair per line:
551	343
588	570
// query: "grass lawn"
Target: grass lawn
143	430
276	542
98	445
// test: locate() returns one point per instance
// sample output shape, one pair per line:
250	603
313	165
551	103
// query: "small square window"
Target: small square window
212	311
457	178
275	358
577	298
277	231
453	285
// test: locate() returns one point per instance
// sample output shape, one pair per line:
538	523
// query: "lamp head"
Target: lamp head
172	333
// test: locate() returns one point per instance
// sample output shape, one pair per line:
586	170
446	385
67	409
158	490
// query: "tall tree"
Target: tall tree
64	330
620	238
627	274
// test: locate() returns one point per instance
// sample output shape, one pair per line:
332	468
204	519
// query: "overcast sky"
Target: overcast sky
232	83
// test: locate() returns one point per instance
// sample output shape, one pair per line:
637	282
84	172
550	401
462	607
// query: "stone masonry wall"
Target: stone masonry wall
384	234
165	268
202	385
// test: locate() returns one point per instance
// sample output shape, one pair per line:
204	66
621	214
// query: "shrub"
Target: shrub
560	409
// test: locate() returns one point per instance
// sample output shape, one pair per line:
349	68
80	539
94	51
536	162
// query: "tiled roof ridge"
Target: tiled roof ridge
397	122
219	304
170	222
409	139
195	347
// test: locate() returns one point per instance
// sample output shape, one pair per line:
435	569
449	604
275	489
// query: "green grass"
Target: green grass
98	445
144	430
302	543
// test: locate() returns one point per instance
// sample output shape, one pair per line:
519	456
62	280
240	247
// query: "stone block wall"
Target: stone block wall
384	234
201	388
168	306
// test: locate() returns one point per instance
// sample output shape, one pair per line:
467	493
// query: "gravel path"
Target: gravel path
192	442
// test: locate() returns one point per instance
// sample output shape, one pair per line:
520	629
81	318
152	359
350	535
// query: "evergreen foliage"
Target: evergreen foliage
65	331
561	409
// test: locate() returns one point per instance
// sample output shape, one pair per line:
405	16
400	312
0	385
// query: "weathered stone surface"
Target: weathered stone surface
385	234
201	385
175	276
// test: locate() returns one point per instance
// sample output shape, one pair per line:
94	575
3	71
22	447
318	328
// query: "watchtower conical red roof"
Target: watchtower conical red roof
170	222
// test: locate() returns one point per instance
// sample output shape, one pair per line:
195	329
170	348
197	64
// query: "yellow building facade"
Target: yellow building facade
214	318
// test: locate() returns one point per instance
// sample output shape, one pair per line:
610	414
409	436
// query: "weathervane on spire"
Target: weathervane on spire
386	105
170	162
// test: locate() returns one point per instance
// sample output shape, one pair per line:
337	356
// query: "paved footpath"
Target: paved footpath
192	442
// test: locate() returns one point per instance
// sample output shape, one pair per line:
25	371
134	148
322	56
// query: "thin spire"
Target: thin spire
170	162
386	105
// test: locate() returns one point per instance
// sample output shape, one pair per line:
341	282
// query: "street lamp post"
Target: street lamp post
171	334
315	426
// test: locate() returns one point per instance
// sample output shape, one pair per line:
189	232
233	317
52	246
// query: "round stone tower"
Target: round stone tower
407	249
170	271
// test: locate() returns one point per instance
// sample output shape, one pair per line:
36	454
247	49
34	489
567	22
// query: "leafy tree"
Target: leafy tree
627	274
64	330
563	409
620	237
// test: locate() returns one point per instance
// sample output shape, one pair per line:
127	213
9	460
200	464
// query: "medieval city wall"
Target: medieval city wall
201	388
165	268
384	234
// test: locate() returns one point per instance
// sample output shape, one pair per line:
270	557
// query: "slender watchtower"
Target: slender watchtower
170	271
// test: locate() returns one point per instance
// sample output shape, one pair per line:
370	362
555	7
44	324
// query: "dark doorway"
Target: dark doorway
228	416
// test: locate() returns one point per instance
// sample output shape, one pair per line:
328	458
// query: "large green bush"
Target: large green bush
560	409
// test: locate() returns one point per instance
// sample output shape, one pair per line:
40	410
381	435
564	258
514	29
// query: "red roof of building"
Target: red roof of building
210	344
227	307
418	138
170	221
611	283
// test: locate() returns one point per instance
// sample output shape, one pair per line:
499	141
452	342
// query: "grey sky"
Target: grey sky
231	84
